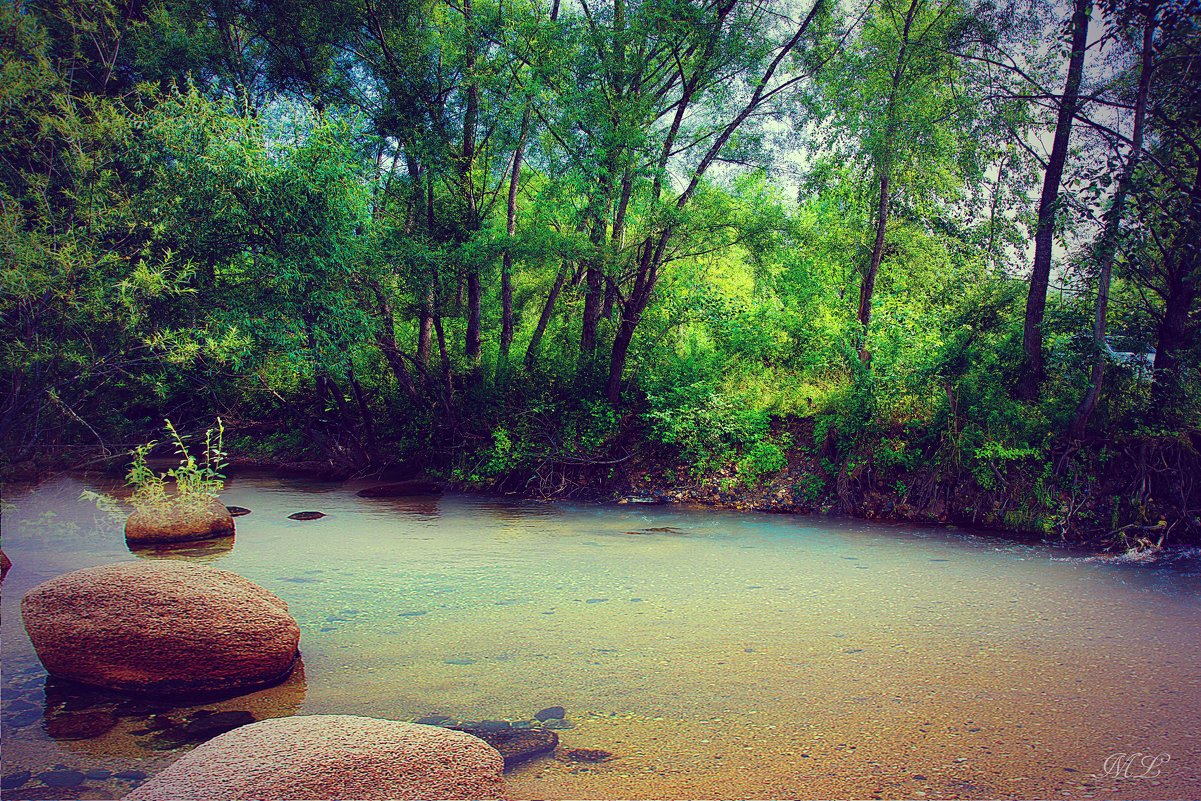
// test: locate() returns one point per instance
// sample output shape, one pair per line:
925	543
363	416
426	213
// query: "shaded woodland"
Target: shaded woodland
933	259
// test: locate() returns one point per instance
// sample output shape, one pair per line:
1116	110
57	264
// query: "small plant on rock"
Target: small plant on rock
196	480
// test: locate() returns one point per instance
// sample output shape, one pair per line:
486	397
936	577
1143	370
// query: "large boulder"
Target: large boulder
176	520
332	757
161	627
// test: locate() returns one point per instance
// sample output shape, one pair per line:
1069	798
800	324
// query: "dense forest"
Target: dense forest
926	259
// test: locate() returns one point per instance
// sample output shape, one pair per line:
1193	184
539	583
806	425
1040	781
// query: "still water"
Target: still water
714	654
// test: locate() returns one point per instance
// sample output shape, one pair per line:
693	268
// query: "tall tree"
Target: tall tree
1107	245
1068	104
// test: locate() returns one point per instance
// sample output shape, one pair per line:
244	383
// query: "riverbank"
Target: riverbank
1132	494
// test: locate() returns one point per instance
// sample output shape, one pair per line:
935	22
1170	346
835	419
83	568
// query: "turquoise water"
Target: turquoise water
714	654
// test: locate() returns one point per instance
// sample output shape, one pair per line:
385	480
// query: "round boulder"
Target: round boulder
176	521
162	628
331	757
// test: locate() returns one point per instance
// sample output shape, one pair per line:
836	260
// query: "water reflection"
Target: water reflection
202	551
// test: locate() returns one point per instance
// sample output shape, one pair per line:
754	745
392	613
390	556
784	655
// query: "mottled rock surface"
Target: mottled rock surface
161	627
515	745
179	522
331	757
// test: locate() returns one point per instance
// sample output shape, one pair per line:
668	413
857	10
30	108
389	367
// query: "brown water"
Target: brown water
733	656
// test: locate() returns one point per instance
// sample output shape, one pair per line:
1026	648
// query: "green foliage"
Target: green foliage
194	481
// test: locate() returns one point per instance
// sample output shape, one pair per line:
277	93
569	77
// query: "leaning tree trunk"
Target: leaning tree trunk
1107	248
1033	369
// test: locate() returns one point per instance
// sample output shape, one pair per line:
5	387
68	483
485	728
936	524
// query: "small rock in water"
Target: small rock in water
61	778
551	713
209	726
306	515
650	532
98	774
635	600
461	660
80	725
596	600
588	755
14	780
130	775
515	745
237	511
415	613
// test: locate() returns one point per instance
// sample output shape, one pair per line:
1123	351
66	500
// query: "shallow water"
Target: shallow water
731	655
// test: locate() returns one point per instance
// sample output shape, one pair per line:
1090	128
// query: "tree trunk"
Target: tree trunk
364	410
548	309
868	287
1033	369
1182	268
506	268
466	166
593	289
1107	247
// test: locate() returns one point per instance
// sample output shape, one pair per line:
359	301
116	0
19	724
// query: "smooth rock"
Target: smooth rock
515	745
161	627
402	489
306	515
204	519
61	778
80	725
98	774
328	757
551	713
237	511
14	780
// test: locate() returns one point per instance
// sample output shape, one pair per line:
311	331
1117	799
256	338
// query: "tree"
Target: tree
1107	244
1068	105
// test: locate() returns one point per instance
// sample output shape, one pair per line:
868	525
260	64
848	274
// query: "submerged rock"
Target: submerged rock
161	628
80	725
515	745
306	515
61	778
332	756
179	521
591	755
551	713
402	489
14	780
204	725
